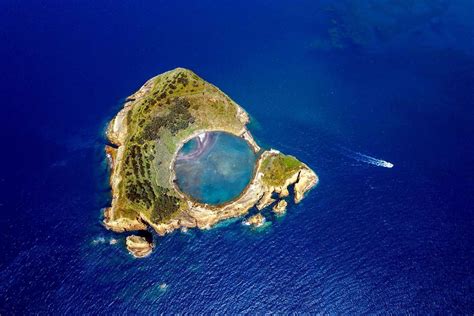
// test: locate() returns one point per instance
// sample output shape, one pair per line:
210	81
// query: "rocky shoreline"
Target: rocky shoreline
256	194
192	214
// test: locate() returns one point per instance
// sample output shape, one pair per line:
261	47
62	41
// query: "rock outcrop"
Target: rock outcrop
306	180
256	220
265	200
139	246
280	207
122	224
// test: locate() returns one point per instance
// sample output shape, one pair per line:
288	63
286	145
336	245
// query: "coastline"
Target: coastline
191	213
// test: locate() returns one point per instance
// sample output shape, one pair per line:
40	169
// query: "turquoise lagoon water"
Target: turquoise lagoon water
214	168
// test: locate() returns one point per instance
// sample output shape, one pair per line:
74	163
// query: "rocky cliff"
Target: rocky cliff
145	137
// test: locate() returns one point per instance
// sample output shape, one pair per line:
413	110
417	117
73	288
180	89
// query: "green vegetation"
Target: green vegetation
176	119
278	168
177	104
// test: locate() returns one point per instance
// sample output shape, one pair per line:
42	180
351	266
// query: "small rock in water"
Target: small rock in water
280	207
139	246
256	220
113	241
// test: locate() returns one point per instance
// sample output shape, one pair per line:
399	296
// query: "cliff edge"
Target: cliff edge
145	137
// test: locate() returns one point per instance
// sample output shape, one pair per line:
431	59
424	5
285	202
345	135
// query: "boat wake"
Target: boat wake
366	159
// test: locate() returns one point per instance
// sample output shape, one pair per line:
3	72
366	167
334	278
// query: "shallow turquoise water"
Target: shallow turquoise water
216	172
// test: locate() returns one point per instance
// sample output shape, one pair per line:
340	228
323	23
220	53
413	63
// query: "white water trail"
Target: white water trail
367	159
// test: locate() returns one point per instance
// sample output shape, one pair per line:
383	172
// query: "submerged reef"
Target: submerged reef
145	138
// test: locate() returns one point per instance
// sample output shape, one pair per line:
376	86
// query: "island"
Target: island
157	146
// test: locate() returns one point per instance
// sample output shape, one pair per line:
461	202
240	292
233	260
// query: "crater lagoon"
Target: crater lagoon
214	167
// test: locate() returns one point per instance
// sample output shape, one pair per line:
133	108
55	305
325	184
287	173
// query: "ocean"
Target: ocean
343	85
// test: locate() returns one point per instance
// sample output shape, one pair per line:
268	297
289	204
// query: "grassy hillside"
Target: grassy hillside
178	104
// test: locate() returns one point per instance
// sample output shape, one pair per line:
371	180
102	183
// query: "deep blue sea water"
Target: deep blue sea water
219	172
325	81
